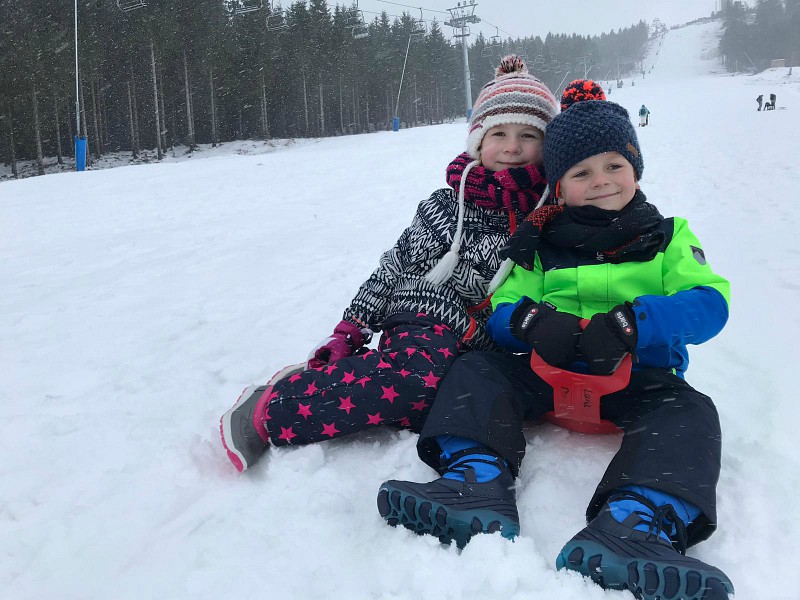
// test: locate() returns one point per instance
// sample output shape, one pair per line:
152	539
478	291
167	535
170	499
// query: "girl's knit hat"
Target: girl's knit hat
513	96
589	128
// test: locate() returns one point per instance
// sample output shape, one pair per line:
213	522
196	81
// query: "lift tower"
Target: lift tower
460	17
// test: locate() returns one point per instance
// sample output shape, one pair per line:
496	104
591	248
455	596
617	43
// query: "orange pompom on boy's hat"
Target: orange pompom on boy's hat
581	89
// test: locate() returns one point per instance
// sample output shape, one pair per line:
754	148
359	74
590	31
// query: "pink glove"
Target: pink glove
346	339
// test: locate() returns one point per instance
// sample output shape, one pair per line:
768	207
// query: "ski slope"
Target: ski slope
137	302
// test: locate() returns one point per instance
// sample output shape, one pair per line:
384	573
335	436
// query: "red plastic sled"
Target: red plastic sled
576	396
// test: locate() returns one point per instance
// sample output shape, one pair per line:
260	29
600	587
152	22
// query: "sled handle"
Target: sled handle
576	396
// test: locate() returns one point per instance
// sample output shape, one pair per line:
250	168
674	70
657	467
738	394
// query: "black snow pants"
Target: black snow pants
395	384
672	439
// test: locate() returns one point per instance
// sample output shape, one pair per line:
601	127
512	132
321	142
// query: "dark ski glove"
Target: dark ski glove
552	334
608	338
346	339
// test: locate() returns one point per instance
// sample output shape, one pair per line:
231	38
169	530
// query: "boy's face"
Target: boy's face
511	145
605	180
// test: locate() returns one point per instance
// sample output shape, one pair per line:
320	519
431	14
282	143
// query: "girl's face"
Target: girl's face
511	145
605	180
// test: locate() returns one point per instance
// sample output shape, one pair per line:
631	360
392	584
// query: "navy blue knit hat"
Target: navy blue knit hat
587	128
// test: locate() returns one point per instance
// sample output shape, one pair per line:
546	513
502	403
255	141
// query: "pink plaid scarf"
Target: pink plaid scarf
516	189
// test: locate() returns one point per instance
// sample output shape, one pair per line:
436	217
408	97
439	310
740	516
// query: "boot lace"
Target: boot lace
658	519
459	462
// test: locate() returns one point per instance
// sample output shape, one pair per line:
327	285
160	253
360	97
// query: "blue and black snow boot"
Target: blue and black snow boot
629	556
460	504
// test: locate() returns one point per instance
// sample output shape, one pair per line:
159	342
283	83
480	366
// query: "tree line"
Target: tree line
755	36
184	72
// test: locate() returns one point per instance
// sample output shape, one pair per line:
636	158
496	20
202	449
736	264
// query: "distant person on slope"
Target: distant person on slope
760	99
644	116
606	254
428	295
771	104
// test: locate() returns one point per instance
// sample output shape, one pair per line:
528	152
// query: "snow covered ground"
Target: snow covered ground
137	302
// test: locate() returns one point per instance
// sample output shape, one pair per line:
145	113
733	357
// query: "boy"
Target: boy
603	253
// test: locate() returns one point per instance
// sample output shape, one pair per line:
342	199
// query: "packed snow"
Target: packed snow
137	302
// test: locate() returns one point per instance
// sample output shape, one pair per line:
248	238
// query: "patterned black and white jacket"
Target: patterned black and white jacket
398	285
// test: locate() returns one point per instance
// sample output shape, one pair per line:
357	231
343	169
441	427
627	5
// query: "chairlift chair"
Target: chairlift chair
242	7
277	21
355	22
493	46
127	5
496	40
418	26
355	17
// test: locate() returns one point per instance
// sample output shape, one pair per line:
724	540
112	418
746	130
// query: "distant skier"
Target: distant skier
428	294
760	99
644	116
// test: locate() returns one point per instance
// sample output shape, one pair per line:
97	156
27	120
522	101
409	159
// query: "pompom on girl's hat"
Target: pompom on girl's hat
589	128
513	96
581	89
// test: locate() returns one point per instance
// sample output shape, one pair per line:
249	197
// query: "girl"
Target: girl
428	295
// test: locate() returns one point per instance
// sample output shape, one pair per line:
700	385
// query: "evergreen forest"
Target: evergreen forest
755	35
160	73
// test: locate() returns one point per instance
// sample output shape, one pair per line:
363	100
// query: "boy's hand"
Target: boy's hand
608	338
552	334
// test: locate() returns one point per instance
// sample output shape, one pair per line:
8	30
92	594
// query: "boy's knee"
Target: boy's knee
476	362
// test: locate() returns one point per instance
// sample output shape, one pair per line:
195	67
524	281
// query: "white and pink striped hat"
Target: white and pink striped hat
513	96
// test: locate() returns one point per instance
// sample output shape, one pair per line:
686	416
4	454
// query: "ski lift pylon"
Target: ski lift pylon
465	33
127	5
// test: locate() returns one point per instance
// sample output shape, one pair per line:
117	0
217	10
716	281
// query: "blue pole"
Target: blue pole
80	142
396	124
80	153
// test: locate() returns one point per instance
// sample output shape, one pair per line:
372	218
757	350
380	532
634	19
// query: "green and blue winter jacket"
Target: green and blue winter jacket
679	299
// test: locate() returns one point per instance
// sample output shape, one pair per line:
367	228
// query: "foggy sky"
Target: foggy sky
521	18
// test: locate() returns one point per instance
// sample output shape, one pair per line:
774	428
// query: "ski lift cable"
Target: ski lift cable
491	25
372	12
444	12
